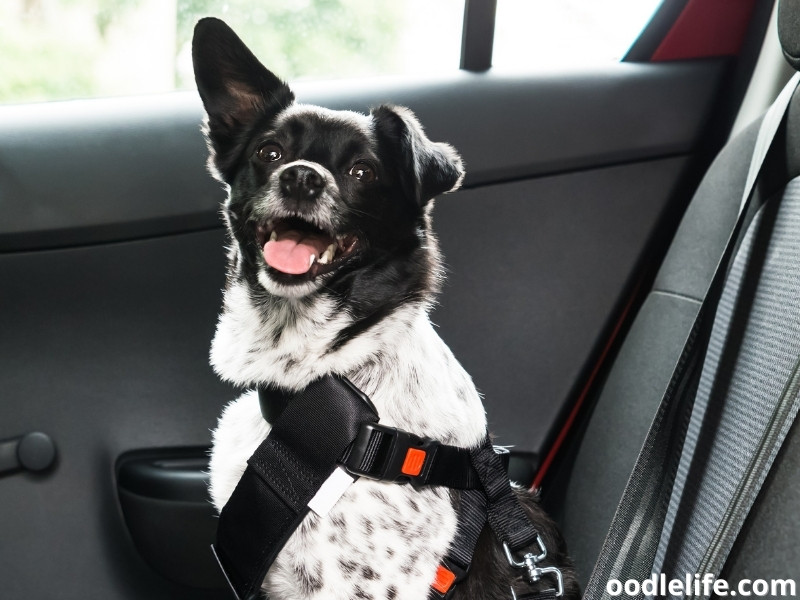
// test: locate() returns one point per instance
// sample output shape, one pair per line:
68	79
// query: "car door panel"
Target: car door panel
112	261
535	269
113	169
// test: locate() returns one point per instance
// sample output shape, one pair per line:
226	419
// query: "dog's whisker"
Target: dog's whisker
362	213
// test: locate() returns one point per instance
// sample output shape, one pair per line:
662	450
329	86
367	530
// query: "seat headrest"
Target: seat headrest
789	30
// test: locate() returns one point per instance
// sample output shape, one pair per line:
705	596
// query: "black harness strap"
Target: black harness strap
504	512
379	452
497	503
332	423
283	475
273	401
455	564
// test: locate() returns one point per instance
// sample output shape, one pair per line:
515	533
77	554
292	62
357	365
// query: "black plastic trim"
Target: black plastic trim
141	169
165	503
477	37
179	474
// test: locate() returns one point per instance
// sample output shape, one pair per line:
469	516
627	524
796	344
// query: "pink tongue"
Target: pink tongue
291	253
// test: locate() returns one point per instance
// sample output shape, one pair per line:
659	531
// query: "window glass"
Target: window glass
59	49
558	33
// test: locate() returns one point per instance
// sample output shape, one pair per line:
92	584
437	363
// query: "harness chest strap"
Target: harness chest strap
283	475
332	424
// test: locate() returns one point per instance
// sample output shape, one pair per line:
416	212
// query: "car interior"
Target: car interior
597	203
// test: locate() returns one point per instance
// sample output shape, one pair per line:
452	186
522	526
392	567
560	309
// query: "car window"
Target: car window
542	33
61	49
65	49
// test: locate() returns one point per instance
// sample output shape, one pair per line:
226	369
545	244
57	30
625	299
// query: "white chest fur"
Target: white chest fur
381	540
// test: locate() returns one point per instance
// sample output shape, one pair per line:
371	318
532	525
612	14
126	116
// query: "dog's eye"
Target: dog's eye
269	152
363	172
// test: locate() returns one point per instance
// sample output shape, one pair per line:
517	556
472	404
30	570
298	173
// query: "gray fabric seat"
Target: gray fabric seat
633	389
621	416
754	347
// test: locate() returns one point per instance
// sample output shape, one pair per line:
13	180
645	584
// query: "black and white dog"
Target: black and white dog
333	268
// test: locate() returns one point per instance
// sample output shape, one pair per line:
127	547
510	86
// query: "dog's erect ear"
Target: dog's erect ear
236	89
434	167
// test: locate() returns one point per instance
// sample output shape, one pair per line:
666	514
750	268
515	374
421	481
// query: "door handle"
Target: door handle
34	452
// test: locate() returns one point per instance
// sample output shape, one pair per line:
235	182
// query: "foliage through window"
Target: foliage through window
56	49
63	49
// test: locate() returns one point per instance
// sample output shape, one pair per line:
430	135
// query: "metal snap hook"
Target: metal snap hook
530	562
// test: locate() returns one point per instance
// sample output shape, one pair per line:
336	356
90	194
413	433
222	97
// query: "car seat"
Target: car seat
756	342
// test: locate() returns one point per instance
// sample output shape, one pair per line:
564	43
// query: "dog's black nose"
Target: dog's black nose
302	183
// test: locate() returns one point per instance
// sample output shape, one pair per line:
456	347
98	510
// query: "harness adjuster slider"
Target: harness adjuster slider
530	562
448	575
388	454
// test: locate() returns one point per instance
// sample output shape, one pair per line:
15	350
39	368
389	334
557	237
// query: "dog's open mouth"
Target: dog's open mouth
296	247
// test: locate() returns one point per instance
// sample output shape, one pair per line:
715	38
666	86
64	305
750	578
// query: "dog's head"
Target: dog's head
320	201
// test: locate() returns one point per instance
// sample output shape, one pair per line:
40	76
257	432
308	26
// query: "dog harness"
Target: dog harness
330	430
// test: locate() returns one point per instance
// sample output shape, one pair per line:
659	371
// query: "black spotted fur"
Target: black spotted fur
397	266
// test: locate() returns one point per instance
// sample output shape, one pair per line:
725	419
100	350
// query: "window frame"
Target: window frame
477	35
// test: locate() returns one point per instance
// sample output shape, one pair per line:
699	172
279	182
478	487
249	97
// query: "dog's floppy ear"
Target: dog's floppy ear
433	167
236	90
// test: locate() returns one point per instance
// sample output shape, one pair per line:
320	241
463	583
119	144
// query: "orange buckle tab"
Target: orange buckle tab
412	465
444	580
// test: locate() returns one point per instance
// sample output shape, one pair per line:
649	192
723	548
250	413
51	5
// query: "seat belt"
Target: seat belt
630	546
772	439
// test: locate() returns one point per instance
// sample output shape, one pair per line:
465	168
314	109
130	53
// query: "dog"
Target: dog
333	268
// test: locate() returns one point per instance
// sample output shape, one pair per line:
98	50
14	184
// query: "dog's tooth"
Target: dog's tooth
311	260
274	236
328	255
